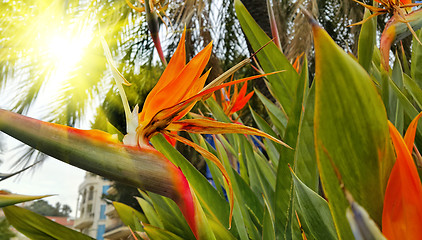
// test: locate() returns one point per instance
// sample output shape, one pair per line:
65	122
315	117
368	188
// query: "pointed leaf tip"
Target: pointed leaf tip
402	213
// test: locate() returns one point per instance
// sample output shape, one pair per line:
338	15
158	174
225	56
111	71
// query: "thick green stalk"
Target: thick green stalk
144	168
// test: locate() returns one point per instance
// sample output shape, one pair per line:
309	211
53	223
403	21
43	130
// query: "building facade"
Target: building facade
91	208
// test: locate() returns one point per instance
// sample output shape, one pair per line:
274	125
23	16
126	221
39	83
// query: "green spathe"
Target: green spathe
351	133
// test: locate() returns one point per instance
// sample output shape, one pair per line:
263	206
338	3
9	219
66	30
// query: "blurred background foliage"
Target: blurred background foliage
36	35
50	51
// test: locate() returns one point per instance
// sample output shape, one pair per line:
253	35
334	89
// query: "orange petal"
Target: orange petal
179	87
409	137
205	126
173	111
176	64
405	2
296	62
199	84
387	38
241	100
402	213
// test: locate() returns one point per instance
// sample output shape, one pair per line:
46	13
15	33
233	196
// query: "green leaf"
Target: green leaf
270	58
351	133
220	231
416	62
150	213
305	159
268	232
367	41
129	216
395	112
315	211
244	198
272	149
405	103
7	199
171	216
207	194
277	116
36	226
283	198
414	89
158	233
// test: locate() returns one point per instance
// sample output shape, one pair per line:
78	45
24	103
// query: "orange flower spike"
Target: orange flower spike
241	99
177	62
176	84
194	90
295	64
409	137
402	213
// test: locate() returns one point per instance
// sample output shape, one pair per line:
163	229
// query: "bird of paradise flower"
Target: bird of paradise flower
135	161
402	213
179	88
401	11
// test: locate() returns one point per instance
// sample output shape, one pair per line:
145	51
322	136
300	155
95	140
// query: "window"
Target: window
105	188
84	196
91	193
102	212
89	208
100	232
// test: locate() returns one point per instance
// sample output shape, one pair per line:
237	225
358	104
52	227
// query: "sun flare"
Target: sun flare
65	51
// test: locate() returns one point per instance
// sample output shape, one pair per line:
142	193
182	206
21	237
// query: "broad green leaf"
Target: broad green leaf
243	222
405	102
376	59
270	58
260	182
208	196
171	216
277	116
158	233
268	232
272	148
220	231
36	226
305	160
7	199
363	227
404	60
129	216
262	124
283	193
414	89
407	106
416	70
203	194
367	38
244	198
219	114
315	211
395	112
150	213
351	133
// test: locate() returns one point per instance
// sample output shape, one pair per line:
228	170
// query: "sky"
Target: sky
64	51
51	177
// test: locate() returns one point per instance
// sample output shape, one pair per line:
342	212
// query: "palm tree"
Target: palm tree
86	87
